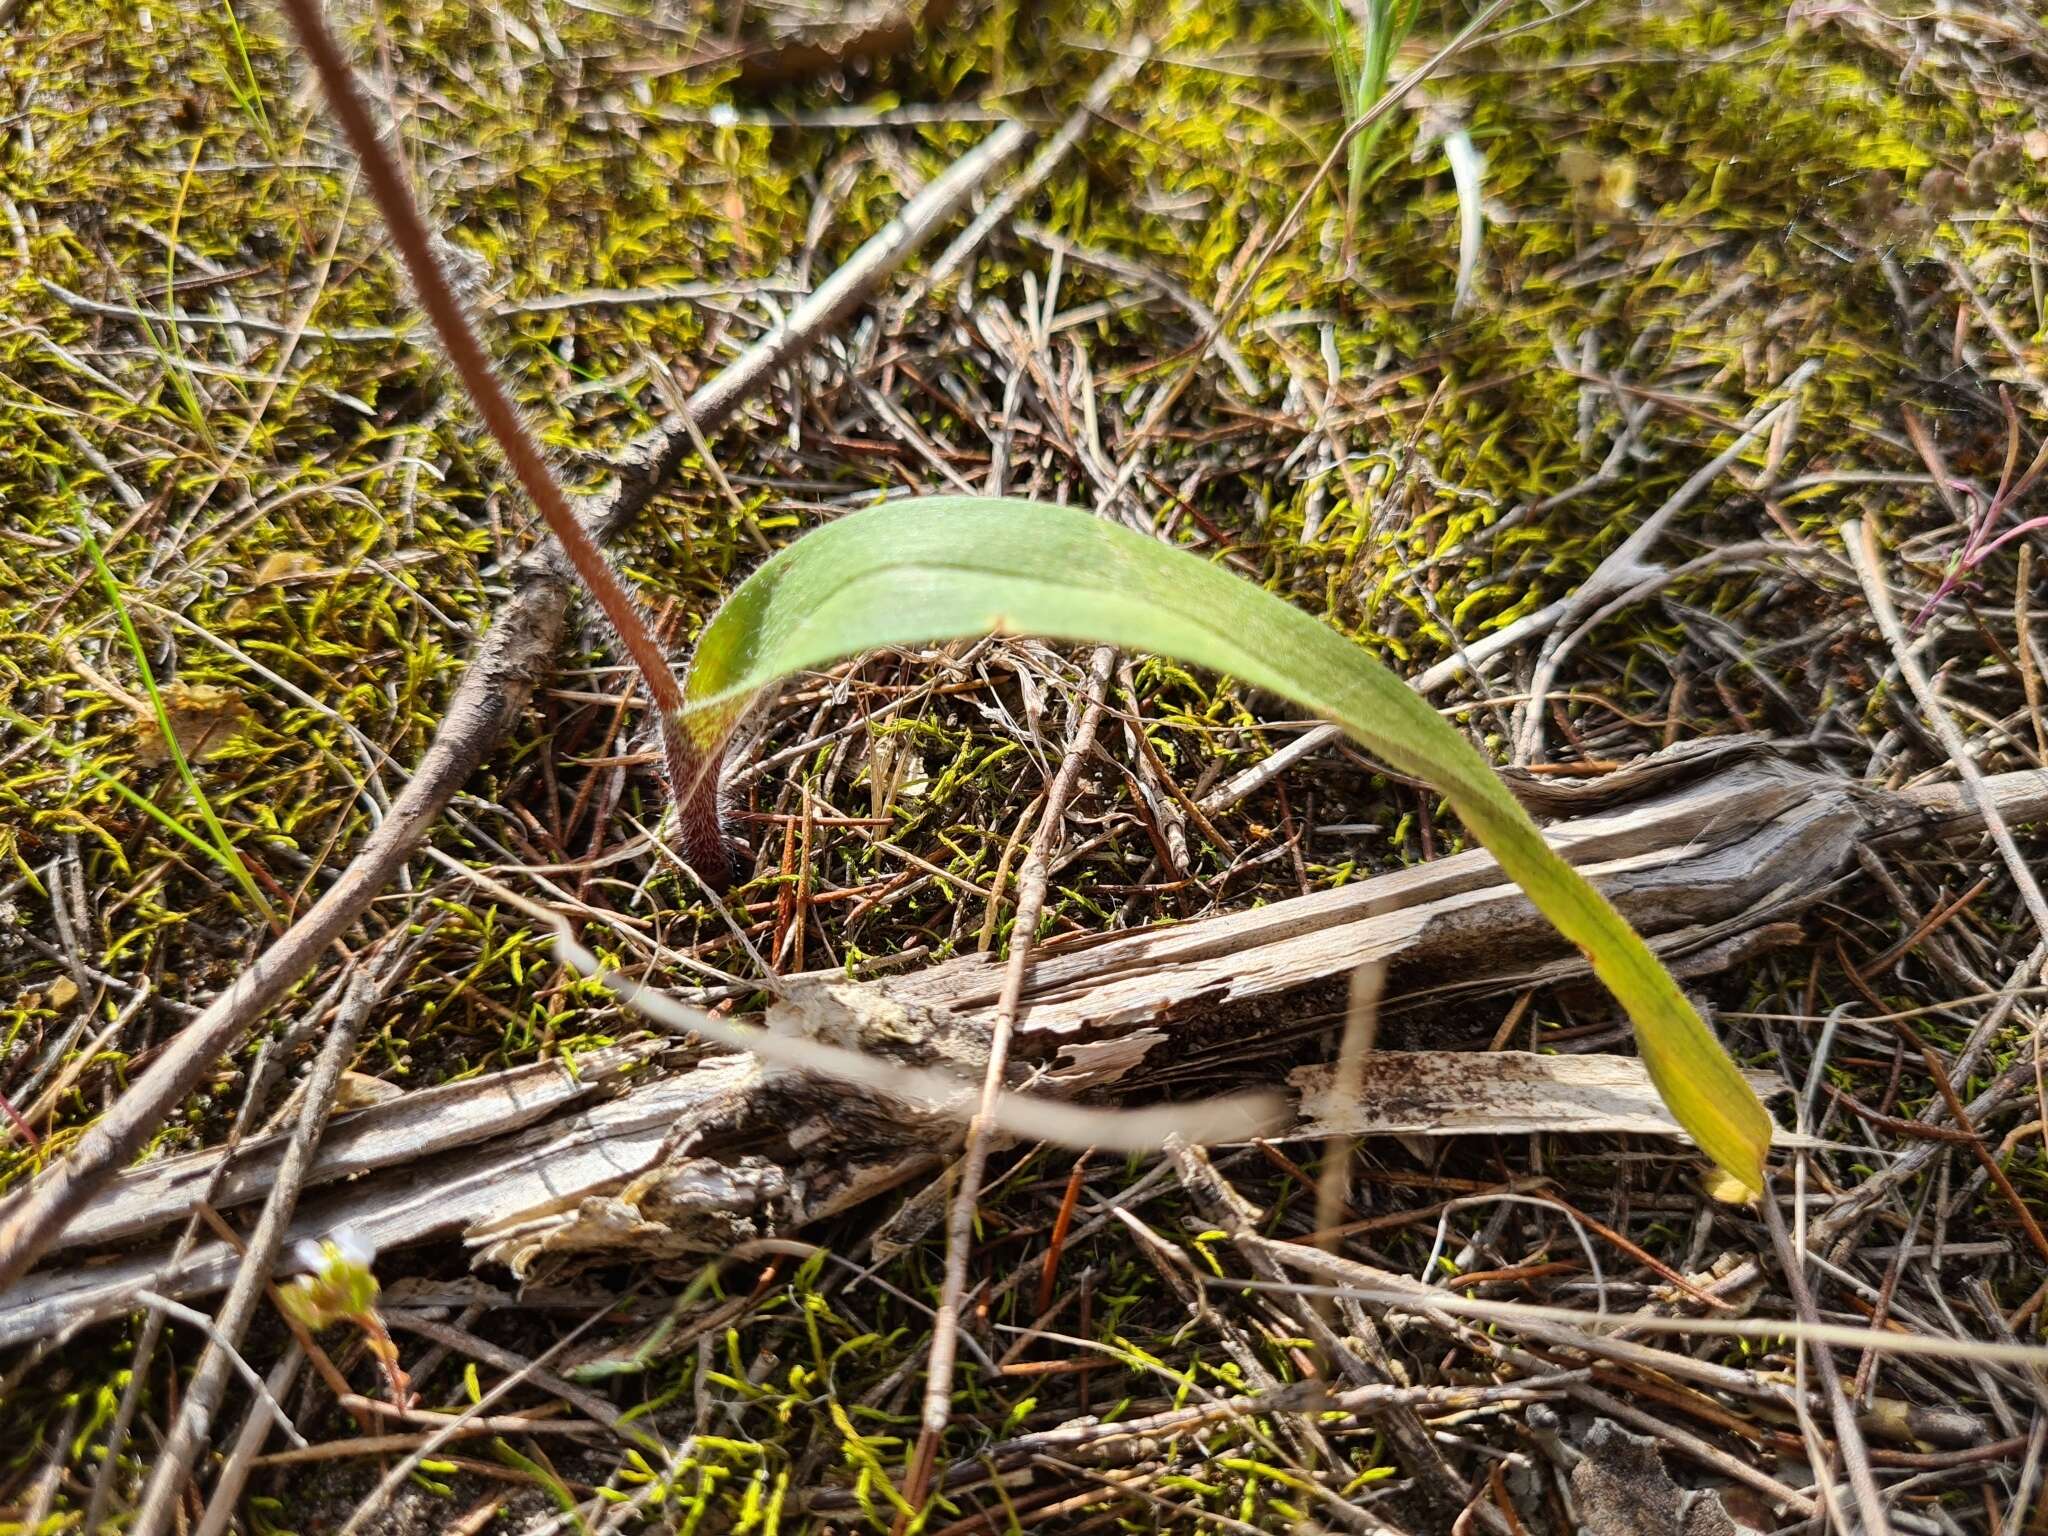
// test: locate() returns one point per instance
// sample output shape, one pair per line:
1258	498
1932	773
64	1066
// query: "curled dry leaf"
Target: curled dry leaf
204	718
1623	1490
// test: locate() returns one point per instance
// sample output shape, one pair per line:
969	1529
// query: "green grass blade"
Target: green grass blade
1362	41
100	776
222	847
913	572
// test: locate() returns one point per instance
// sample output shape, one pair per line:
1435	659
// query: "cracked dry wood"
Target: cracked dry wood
1702	848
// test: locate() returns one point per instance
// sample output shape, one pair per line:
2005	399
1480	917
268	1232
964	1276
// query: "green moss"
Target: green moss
329	518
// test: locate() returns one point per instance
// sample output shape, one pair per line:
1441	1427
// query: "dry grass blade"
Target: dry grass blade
1870	1503
1860	539
1401	1292
188	1435
1346	1086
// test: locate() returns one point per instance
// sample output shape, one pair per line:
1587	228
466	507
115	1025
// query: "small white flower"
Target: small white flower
344	1245
353	1247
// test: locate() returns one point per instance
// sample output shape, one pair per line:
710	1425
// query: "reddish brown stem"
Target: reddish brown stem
693	778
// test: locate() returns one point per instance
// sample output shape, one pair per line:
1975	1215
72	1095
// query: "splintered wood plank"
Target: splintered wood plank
410	1128
1760	839
537	1161
580	1154
1493	1093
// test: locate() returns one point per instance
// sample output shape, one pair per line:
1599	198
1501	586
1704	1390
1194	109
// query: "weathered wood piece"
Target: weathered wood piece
1495	1093
577	1154
1731	838
539	1169
412	1128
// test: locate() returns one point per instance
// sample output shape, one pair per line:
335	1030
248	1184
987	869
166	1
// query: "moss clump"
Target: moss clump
208	353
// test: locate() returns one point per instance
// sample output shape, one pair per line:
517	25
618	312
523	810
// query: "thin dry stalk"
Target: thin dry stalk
43	1492
938	1393
454	1426
249	1440
1055	149
1630	564
262	1078
1361	1026
1870	1503
2028	655
492	694
1860	539
209	1382
691	780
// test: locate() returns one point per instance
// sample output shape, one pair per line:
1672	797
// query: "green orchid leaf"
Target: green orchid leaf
914	572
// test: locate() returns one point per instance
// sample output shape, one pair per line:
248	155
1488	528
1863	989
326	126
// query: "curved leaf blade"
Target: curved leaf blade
938	568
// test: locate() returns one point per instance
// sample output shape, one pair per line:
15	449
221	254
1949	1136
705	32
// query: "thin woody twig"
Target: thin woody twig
393	1480
1870	1505
493	692
229	1353
1043	164
938	1397
262	1077
1630	563
240	1461
1861	542
436	294
188	1433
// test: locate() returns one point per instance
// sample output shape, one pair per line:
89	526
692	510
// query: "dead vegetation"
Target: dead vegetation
1746	278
